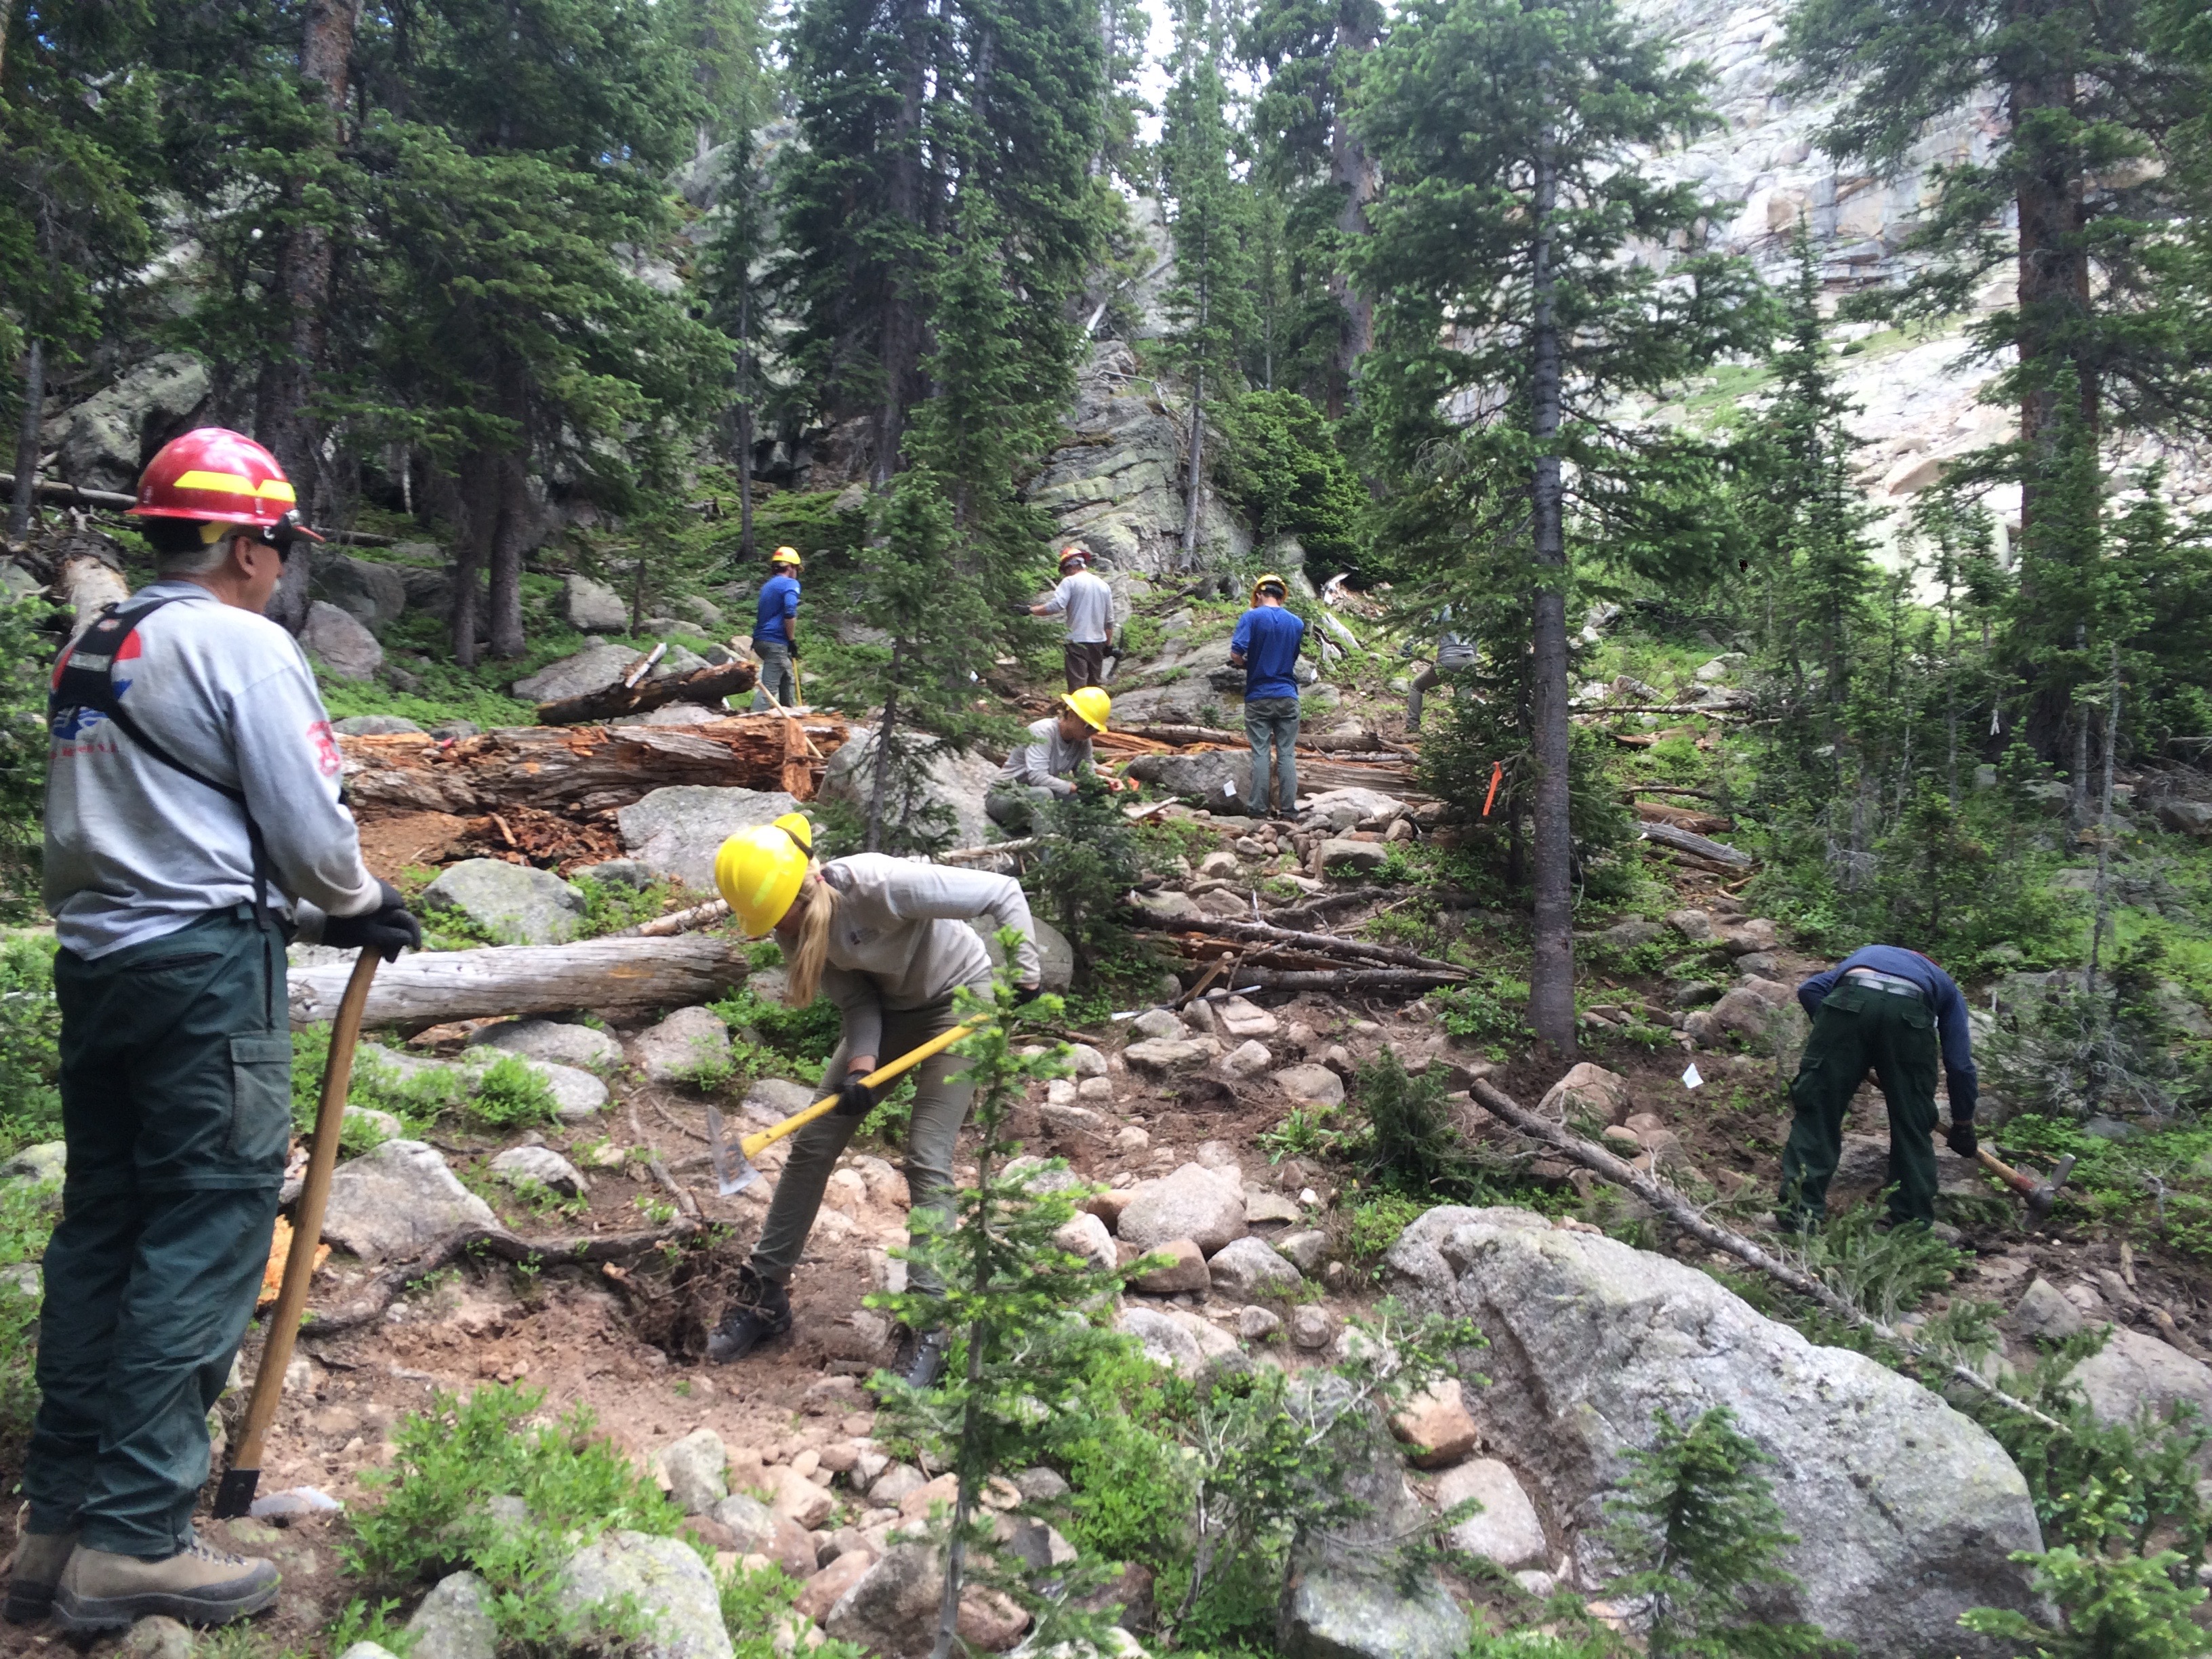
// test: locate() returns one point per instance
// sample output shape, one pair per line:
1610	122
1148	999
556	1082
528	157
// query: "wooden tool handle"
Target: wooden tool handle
2003	1171
755	1142
307	1217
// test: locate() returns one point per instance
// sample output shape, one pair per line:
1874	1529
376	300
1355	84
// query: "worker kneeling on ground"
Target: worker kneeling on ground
1046	766
1888	1011
887	940
191	789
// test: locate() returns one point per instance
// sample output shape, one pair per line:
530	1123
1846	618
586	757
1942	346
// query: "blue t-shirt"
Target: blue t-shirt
779	605
1944	1000
1267	637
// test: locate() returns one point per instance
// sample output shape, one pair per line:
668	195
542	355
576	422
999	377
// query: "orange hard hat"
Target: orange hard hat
1074	555
216	476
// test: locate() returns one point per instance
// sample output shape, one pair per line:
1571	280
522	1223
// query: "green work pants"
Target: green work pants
1858	1030
941	1097
1014	806
176	1086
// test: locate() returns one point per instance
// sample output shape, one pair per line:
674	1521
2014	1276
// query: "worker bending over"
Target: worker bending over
888	941
1454	660
1887	1010
1266	646
1046	766
192	792
775	632
1088	605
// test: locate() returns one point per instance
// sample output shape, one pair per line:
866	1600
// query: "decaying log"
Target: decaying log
704	686
369	1301
1686	1216
676	921
428	987
584	768
1313	909
87	578
1683	818
1682	840
1410	980
1326	945
1184	734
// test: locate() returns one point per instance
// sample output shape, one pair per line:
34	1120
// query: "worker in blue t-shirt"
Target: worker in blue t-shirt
775	632
1889	1011
1266	646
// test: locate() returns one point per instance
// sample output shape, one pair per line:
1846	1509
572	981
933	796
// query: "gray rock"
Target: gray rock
1696	926
339	643
593	607
373	594
398	1201
1762	1025
1158	1025
1164	1340
541	1165
1216	779
675	831
593	669
454	1621
1506	1529
2043	1312
577	1094
1720	667
943	792
1246	1059
1164	1057
1055	955
1693	993
157	1637
1310	1085
47	1160
1246	1269
886	1490
1087	1061
1041	1486
102	439
373	725
1354	857
2184	817
448	730
1908	1510
772	1099
669	1582
893	1608
1192	1203
698	1469
1629	934
512	902
673	1050
2136	1379
1305	1250
1350	1594
550	1040
615	872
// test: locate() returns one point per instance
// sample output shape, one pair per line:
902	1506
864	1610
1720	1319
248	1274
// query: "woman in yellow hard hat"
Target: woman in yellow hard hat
887	940
1057	753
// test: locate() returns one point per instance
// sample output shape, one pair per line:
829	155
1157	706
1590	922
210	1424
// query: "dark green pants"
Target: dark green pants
176	1105
1859	1030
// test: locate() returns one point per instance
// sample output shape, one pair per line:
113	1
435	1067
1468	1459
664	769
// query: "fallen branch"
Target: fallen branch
1682	840
1349	979
971	855
706	686
675	921
57	490
1686	1216
1183	734
1313	909
1327	944
374	1297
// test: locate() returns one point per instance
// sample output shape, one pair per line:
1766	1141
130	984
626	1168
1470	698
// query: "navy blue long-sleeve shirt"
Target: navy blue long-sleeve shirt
1942	995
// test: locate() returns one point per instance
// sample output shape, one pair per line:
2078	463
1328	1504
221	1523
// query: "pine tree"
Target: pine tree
1508	137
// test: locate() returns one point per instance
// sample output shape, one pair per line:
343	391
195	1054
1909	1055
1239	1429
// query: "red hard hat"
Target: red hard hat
217	475
1075	555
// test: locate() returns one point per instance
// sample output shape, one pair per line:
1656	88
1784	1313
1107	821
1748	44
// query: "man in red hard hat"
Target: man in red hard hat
192	800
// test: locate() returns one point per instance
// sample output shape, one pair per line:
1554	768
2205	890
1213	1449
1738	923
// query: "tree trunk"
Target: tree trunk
431	986
507	550
902	335
1194	479
26	441
885	728
745	426
1552	967
479	521
1352	171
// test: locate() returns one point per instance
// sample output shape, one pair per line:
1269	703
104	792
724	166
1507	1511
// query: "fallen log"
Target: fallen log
58	489
1686	1216
428	987
1682	817
1349	979
678	921
370	1300
1327	944
1313	909
1183	734
973	854
1682	840
584	768
87	580
704	686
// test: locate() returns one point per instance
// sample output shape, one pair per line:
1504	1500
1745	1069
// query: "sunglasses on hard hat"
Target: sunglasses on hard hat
287	533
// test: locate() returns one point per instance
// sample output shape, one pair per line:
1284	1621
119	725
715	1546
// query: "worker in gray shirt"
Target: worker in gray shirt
1454	658
191	798
1046	766
887	940
1088	605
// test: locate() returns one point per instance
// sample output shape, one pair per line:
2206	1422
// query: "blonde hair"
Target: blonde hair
803	983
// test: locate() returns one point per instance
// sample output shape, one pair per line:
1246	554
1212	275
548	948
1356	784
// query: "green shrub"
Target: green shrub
1275	457
30	1028
1484	1010
509	1095
27	1214
1413	1144
2110	1606
804	1037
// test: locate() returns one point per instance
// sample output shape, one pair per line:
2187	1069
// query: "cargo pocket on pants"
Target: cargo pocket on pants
261	1098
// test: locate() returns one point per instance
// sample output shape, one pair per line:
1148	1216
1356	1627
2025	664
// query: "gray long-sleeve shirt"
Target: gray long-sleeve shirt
135	849
1046	761
901	940
1088	605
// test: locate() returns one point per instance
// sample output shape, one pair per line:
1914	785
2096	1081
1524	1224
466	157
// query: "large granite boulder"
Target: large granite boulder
399	1200
334	640
513	903
593	607
371	594
944	790
1055	955
669	1584
103	442
1907	1510
1215	778
675	831
595	668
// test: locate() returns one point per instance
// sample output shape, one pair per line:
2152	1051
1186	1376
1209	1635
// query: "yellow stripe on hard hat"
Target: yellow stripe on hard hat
785	556
1091	704
234	483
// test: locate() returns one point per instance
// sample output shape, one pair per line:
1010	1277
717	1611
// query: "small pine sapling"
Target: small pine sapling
2112	1604
1014	1299
1089	860
1698	1523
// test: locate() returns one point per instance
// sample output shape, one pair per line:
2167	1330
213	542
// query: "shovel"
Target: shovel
743	1175
234	1495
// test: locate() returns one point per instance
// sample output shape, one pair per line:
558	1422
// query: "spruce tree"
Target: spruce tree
1512	322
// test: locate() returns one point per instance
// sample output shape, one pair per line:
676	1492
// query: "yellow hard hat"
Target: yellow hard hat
784	555
1093	704
795	825
1271	579
758	872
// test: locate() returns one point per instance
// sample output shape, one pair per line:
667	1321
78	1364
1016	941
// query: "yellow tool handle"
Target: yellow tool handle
875	1080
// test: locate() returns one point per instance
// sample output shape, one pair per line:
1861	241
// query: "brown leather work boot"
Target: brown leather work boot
39	1559
200	1585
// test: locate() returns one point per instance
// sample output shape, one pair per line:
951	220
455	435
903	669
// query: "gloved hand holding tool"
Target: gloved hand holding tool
386	930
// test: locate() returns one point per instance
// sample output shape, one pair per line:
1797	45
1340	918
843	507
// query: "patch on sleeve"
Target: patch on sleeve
328	760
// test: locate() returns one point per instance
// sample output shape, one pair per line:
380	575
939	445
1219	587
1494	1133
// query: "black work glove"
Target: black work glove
1026	994
1961	1138
792	650
1018	609
855	1099
386	930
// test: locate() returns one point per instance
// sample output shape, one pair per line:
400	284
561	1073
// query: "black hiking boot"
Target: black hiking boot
921	1359
759	1309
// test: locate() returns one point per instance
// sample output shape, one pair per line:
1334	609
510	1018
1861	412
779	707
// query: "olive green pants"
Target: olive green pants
1861	1030
176	1086
942	1094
